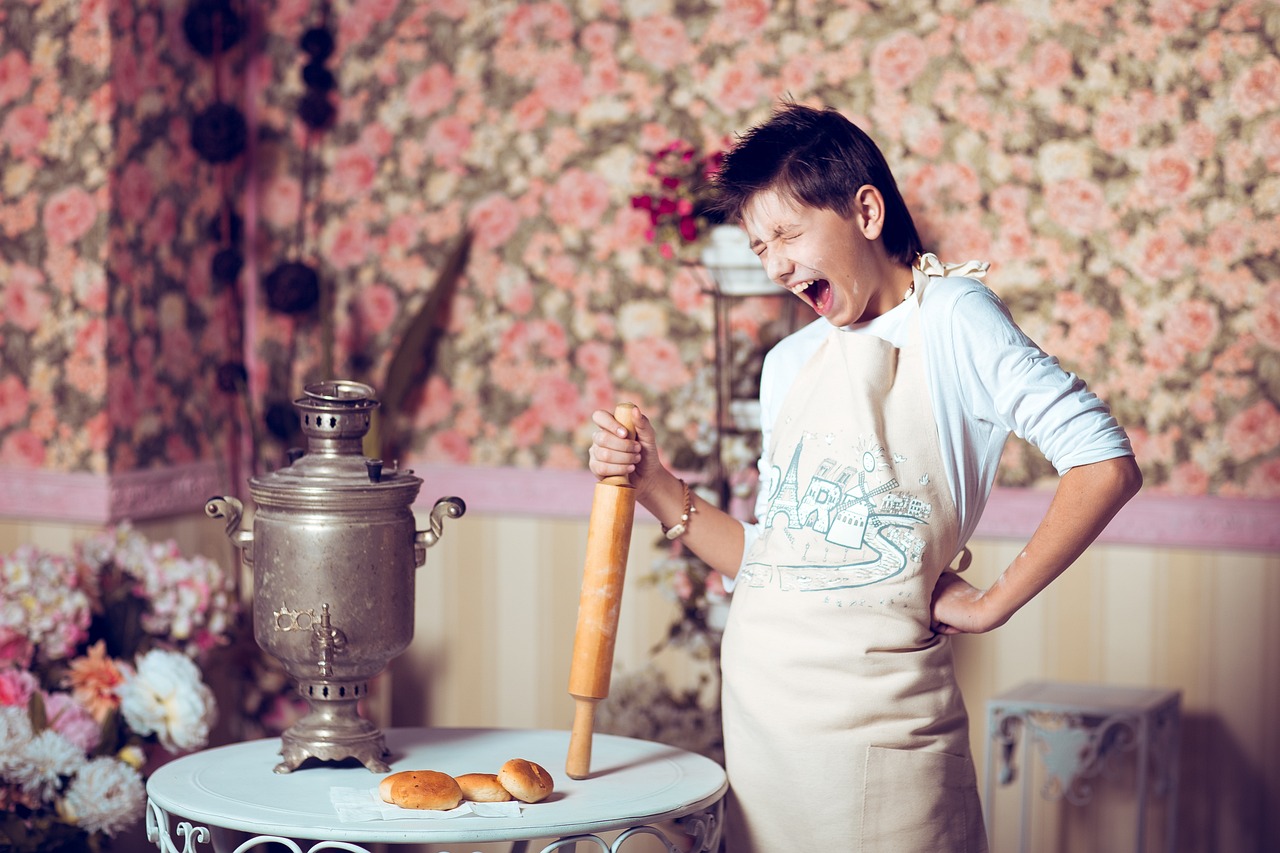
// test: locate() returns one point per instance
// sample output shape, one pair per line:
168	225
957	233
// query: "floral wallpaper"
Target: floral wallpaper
1118	162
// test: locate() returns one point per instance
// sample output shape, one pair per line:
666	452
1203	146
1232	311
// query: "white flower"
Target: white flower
107	795
15	733
166	697
43	761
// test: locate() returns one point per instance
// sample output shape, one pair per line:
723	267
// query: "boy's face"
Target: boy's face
832	262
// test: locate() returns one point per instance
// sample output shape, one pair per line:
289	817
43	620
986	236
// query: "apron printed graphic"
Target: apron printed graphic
848	525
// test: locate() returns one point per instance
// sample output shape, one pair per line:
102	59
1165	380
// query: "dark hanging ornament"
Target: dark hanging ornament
232	377
316	111
281	420
235	225
318	78
226	265
317	43
204	18
292	288
218	133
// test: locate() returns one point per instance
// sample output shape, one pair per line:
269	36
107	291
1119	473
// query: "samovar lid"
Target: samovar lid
336	415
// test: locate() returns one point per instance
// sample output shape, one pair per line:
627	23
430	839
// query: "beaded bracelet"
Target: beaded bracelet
678	529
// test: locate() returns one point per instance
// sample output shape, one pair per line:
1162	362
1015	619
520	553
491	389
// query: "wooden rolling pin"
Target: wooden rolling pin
608	540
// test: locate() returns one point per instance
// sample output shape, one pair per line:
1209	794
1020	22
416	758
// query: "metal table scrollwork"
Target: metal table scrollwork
228	798
1080	731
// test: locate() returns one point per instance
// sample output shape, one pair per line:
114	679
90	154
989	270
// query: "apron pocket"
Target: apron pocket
920	802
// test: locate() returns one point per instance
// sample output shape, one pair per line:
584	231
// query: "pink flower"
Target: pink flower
349	244
450	446
1077	205
430	91
661	41
1254	431
1264	480
898	60
1257	91
68	215
493	220
1169	176
578	198
527	428
24	129
1192	325
17	687
15	76
280	200
1267	317
560	403
560	84
742	86
448	140
656	363
377	306
26	304
23	449
993	36
68	718
353	172
1051	65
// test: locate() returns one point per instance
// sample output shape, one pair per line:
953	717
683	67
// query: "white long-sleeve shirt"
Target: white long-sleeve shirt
987	379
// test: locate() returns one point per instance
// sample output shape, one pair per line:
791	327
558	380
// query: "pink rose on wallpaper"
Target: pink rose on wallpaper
744	16
1078	205
656	363
993	36
897	61
376	308
1254	431
559	83
1257	91
578	198
1192	325
1264	480
560	404
134	192
14	400
22	449
448	140
742	86
437	403
661	41
161	226
1169	176
527	429
430	91
25	127
1115	128
352	172
449	446
15	76
1188	478
25	301
1267	318
68	215
1051	65
349	244
598	39
594	359
493	220
281	197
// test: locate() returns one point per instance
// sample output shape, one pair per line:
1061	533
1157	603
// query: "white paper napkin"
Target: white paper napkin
363	804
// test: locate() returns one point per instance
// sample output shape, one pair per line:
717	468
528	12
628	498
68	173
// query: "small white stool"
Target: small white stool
1078	729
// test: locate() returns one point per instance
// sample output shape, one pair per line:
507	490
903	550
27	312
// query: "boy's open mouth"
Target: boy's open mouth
817	293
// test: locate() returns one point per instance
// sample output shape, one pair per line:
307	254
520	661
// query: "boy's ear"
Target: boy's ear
868	211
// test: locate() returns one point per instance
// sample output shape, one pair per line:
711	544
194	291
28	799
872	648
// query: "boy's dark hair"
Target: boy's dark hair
819	158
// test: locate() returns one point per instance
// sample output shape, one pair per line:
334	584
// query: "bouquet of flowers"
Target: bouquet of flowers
98	671
679	205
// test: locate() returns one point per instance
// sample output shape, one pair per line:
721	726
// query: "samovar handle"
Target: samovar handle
232	510
424	539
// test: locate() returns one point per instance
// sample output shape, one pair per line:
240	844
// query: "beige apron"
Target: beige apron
844	727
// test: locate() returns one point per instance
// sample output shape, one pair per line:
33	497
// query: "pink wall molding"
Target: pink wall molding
1151	519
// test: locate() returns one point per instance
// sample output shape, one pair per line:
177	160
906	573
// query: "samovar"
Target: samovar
334	550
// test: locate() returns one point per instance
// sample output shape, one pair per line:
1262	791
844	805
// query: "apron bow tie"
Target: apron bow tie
929	264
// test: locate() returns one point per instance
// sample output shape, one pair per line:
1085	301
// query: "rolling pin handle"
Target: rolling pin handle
578	764
624	414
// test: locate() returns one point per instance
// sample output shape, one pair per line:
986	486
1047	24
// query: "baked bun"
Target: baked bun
421	789
526	781
482	788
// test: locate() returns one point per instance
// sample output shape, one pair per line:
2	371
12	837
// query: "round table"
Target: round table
633	786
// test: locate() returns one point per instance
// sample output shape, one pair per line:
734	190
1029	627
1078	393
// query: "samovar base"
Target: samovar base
370	752
333	730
